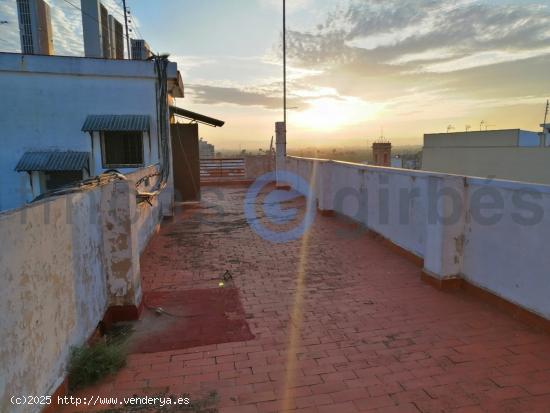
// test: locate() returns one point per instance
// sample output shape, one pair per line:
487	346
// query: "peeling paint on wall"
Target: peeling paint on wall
64	261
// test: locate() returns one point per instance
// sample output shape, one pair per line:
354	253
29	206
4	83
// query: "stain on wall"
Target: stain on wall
64	261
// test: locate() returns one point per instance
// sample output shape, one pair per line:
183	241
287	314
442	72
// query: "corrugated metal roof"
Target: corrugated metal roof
196	116
53	161
119	123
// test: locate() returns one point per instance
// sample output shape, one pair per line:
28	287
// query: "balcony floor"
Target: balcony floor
361	333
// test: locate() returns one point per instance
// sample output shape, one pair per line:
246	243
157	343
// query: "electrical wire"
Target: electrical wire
161	65
86	184
103	25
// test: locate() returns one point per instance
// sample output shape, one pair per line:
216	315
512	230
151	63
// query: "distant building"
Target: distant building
206	150
103	35
116	38
35	27
511	154
140	50
406	161
381	153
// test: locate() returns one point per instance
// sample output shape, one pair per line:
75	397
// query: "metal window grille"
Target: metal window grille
122	149
27	46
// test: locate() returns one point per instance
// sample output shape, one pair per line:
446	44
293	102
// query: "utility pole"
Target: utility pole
546	114
284	62
126	28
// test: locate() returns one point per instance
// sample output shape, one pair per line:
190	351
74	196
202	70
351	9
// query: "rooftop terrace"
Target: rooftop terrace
333	322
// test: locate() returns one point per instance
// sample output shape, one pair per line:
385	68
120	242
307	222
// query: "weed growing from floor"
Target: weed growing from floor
89	364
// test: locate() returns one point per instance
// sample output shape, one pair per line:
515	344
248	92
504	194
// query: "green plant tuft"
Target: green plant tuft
90	364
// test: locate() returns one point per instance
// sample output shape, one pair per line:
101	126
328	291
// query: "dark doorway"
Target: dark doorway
185	161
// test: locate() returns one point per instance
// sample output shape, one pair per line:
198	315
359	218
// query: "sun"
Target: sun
332	113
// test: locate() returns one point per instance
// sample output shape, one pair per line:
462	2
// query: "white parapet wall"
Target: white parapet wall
53	291
258	165
64	262
492	233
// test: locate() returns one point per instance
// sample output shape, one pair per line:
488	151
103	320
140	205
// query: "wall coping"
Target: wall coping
469	180
81	66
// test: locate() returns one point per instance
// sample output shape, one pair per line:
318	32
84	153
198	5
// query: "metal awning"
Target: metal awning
197	117
116	123
52	161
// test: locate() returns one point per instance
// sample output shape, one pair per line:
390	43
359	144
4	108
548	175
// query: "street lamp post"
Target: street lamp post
280	127
284	62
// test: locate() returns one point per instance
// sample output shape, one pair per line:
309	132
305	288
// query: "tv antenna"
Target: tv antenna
382	138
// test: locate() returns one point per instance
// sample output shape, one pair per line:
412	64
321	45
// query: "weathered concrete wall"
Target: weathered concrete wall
54	292
370	196
512	256
258	165
491	233
63	262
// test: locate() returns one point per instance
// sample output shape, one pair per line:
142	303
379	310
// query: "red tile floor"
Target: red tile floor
340	322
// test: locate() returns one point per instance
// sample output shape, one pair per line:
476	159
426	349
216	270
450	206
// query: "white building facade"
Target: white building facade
64	118
510	154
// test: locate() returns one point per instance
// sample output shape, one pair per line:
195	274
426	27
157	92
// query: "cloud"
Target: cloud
485	58
429	59
9	32
205	94
386	32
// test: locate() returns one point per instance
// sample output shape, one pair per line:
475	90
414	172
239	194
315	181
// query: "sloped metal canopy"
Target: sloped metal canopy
51	161
197	117
116	123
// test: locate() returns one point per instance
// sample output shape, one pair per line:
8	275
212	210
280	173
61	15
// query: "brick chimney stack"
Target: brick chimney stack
381	152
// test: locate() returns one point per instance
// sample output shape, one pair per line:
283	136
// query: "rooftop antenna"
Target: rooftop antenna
382	138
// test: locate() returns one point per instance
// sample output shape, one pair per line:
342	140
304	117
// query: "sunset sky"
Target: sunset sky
356	66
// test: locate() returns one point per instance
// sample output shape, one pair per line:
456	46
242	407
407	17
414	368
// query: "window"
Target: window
122	149
56	180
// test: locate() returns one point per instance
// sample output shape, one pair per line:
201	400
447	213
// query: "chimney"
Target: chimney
381	152
91	27
35	27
